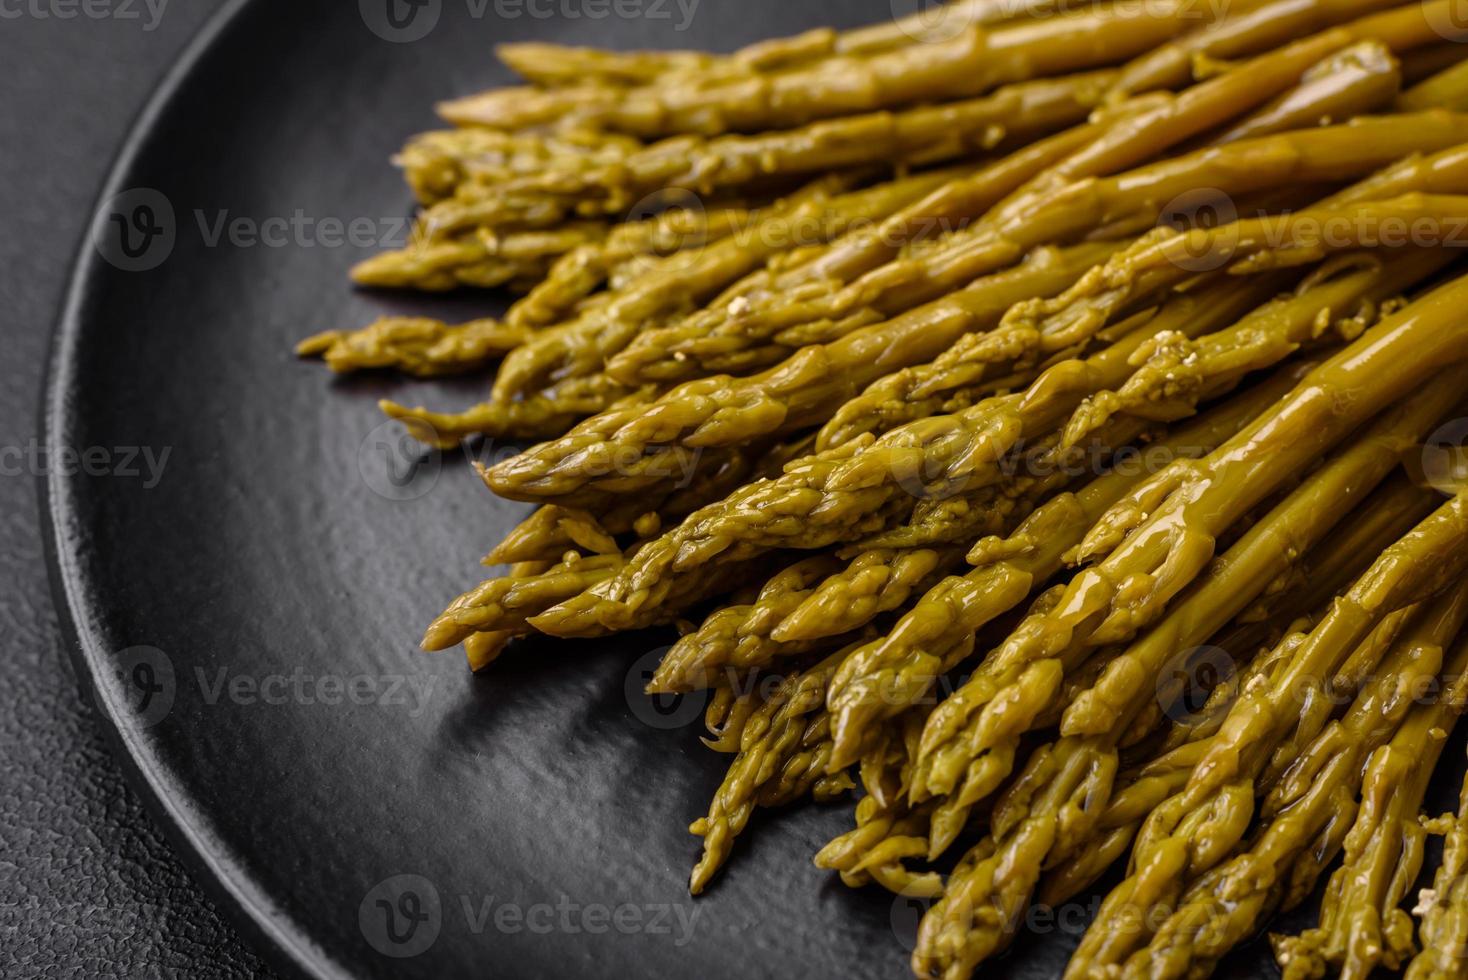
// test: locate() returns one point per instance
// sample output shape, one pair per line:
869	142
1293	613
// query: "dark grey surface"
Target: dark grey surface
88	884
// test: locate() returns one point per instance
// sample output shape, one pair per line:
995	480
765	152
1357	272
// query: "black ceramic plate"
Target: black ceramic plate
247	557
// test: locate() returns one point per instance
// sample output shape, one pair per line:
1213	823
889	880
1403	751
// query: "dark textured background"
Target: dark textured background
88	886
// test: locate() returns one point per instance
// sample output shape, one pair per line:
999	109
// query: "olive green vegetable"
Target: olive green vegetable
923	135
783	753
481	259
569	358
970	63
801	391
414	345
941	630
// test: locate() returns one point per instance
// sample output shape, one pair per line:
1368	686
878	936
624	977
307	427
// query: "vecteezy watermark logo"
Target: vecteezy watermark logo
142	463
396	465
1198	209
906	915
932	21
147	12
409	692
681	222
135	230
400	21
146	686
661	711
1190	679
1445	458
401	916
1449	20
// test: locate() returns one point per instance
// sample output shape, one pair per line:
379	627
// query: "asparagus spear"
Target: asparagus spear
782	755
842	494
1245	30
509	603
1178	847
1127	141
1164	259
1342	297
718	338
570	357
981	721
974	61
940	630
1448	89
578	273
939	385
1444	907
483	260
1332	565
1348	83
1422	563
923	135
1061	213
738	637
419	346
549	533
803	390
1225	907
554	64
1361	926
1074	776
881	577
1210	103
436	164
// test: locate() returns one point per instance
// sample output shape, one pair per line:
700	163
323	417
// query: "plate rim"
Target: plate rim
240	901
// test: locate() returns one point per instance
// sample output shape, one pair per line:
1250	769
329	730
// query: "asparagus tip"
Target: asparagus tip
318	344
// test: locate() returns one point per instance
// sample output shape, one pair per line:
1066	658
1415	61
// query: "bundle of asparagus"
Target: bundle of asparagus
1018	358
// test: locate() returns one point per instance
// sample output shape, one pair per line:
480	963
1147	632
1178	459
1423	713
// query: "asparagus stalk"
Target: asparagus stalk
940	385
803	390
1332	565
509	603
1361	926
974	61
940	631
419	346
1444	907
1447	89
1245	30
578	273
1166	260
842	494
782	755
437	164
981	721
1225	907
923	135
737	334
1341	298
1351	81
1178	847
482	260
1075	775
569	358
555	64
738	637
